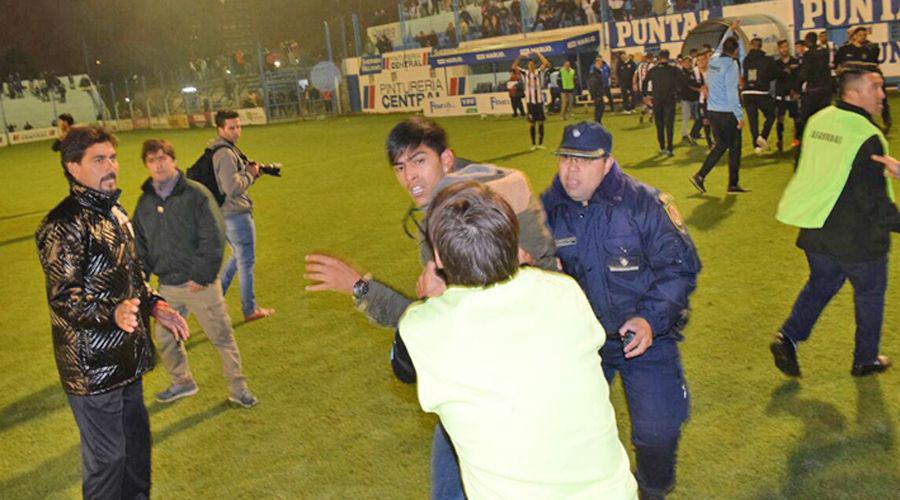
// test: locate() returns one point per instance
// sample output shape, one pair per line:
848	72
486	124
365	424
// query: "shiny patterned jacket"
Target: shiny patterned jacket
86	247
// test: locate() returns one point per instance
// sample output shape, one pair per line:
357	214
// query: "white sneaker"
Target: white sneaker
541	146
762	143
533	148
758	150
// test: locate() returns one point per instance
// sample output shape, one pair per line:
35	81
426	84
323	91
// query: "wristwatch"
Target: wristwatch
360	288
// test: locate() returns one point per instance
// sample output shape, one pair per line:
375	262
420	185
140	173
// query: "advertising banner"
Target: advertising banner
158	122
199	120
497	103
124	125
36	134
141	123
177	121
252	116
2	140
558	47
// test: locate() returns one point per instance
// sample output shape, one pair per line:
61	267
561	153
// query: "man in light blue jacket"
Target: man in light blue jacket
724	110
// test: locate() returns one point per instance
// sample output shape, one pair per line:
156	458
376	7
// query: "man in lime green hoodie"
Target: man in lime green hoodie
507	358
844	206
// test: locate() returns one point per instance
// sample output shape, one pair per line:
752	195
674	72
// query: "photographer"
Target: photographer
234	176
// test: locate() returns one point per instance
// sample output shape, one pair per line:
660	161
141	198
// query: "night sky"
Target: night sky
145	36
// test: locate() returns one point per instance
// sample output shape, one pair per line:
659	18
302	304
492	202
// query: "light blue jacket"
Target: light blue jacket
723	78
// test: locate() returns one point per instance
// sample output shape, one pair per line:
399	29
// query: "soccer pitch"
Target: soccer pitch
334	423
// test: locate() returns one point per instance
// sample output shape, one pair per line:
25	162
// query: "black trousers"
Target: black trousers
811	102
599	107
664	115
728	138
754	104
612	105
115	443
517	106
627	96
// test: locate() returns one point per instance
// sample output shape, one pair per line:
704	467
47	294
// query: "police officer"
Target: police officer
627	246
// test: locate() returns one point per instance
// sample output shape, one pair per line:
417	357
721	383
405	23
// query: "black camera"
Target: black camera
273	169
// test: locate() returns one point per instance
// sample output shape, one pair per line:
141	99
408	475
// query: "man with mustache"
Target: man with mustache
100	308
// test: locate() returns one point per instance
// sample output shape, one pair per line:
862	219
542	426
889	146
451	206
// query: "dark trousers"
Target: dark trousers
664	114
115	443
754	104
599	107
518	108
658	404
627	96
728	138
826	276
811	102
701	123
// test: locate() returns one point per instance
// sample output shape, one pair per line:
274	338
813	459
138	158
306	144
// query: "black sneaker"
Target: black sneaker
881	364
785	354
697	182
737	190
780	146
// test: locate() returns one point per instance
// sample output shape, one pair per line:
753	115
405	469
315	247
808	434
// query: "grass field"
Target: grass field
334	423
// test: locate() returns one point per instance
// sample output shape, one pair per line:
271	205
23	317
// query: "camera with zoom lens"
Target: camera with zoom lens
273	169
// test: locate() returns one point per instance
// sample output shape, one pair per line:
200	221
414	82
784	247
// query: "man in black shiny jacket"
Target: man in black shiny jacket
100	308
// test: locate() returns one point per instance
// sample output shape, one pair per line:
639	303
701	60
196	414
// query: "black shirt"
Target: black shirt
849	53
815	70
859	226
758	72
687	85
625	73
786	76
663	82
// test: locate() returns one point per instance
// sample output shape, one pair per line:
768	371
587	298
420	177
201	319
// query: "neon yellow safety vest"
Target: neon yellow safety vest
568	78
831	141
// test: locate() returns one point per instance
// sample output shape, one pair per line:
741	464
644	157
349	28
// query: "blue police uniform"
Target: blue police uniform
629	251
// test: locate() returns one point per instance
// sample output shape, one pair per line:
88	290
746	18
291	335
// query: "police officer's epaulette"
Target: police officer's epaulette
668	203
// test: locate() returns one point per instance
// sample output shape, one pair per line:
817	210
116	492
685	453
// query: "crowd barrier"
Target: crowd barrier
248	116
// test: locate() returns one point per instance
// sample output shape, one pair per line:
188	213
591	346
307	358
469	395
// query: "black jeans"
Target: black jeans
826	276
115	443
599	107
728	138
754	104
664	114
627	96
517	106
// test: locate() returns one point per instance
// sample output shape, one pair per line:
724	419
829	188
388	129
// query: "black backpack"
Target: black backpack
203	172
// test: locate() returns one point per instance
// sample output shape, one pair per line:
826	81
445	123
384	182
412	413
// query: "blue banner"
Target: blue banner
831	14
558	47
370	65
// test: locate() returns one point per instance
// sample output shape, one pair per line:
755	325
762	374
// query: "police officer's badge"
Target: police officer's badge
668	203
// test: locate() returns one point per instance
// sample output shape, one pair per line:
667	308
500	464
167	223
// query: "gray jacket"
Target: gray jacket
385	305
232	177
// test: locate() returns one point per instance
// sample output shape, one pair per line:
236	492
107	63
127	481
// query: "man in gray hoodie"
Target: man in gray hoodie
234	175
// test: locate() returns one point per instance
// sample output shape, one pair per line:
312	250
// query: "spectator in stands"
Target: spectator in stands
28	126
451	33
589	12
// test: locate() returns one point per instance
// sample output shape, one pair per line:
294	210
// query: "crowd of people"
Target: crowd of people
599	259
45	87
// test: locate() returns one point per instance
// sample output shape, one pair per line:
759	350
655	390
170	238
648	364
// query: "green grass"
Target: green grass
333	422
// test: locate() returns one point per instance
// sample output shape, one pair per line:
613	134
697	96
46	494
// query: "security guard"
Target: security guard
627	246
845	208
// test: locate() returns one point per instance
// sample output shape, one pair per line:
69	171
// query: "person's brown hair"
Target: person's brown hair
78	139
153	145
475	233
